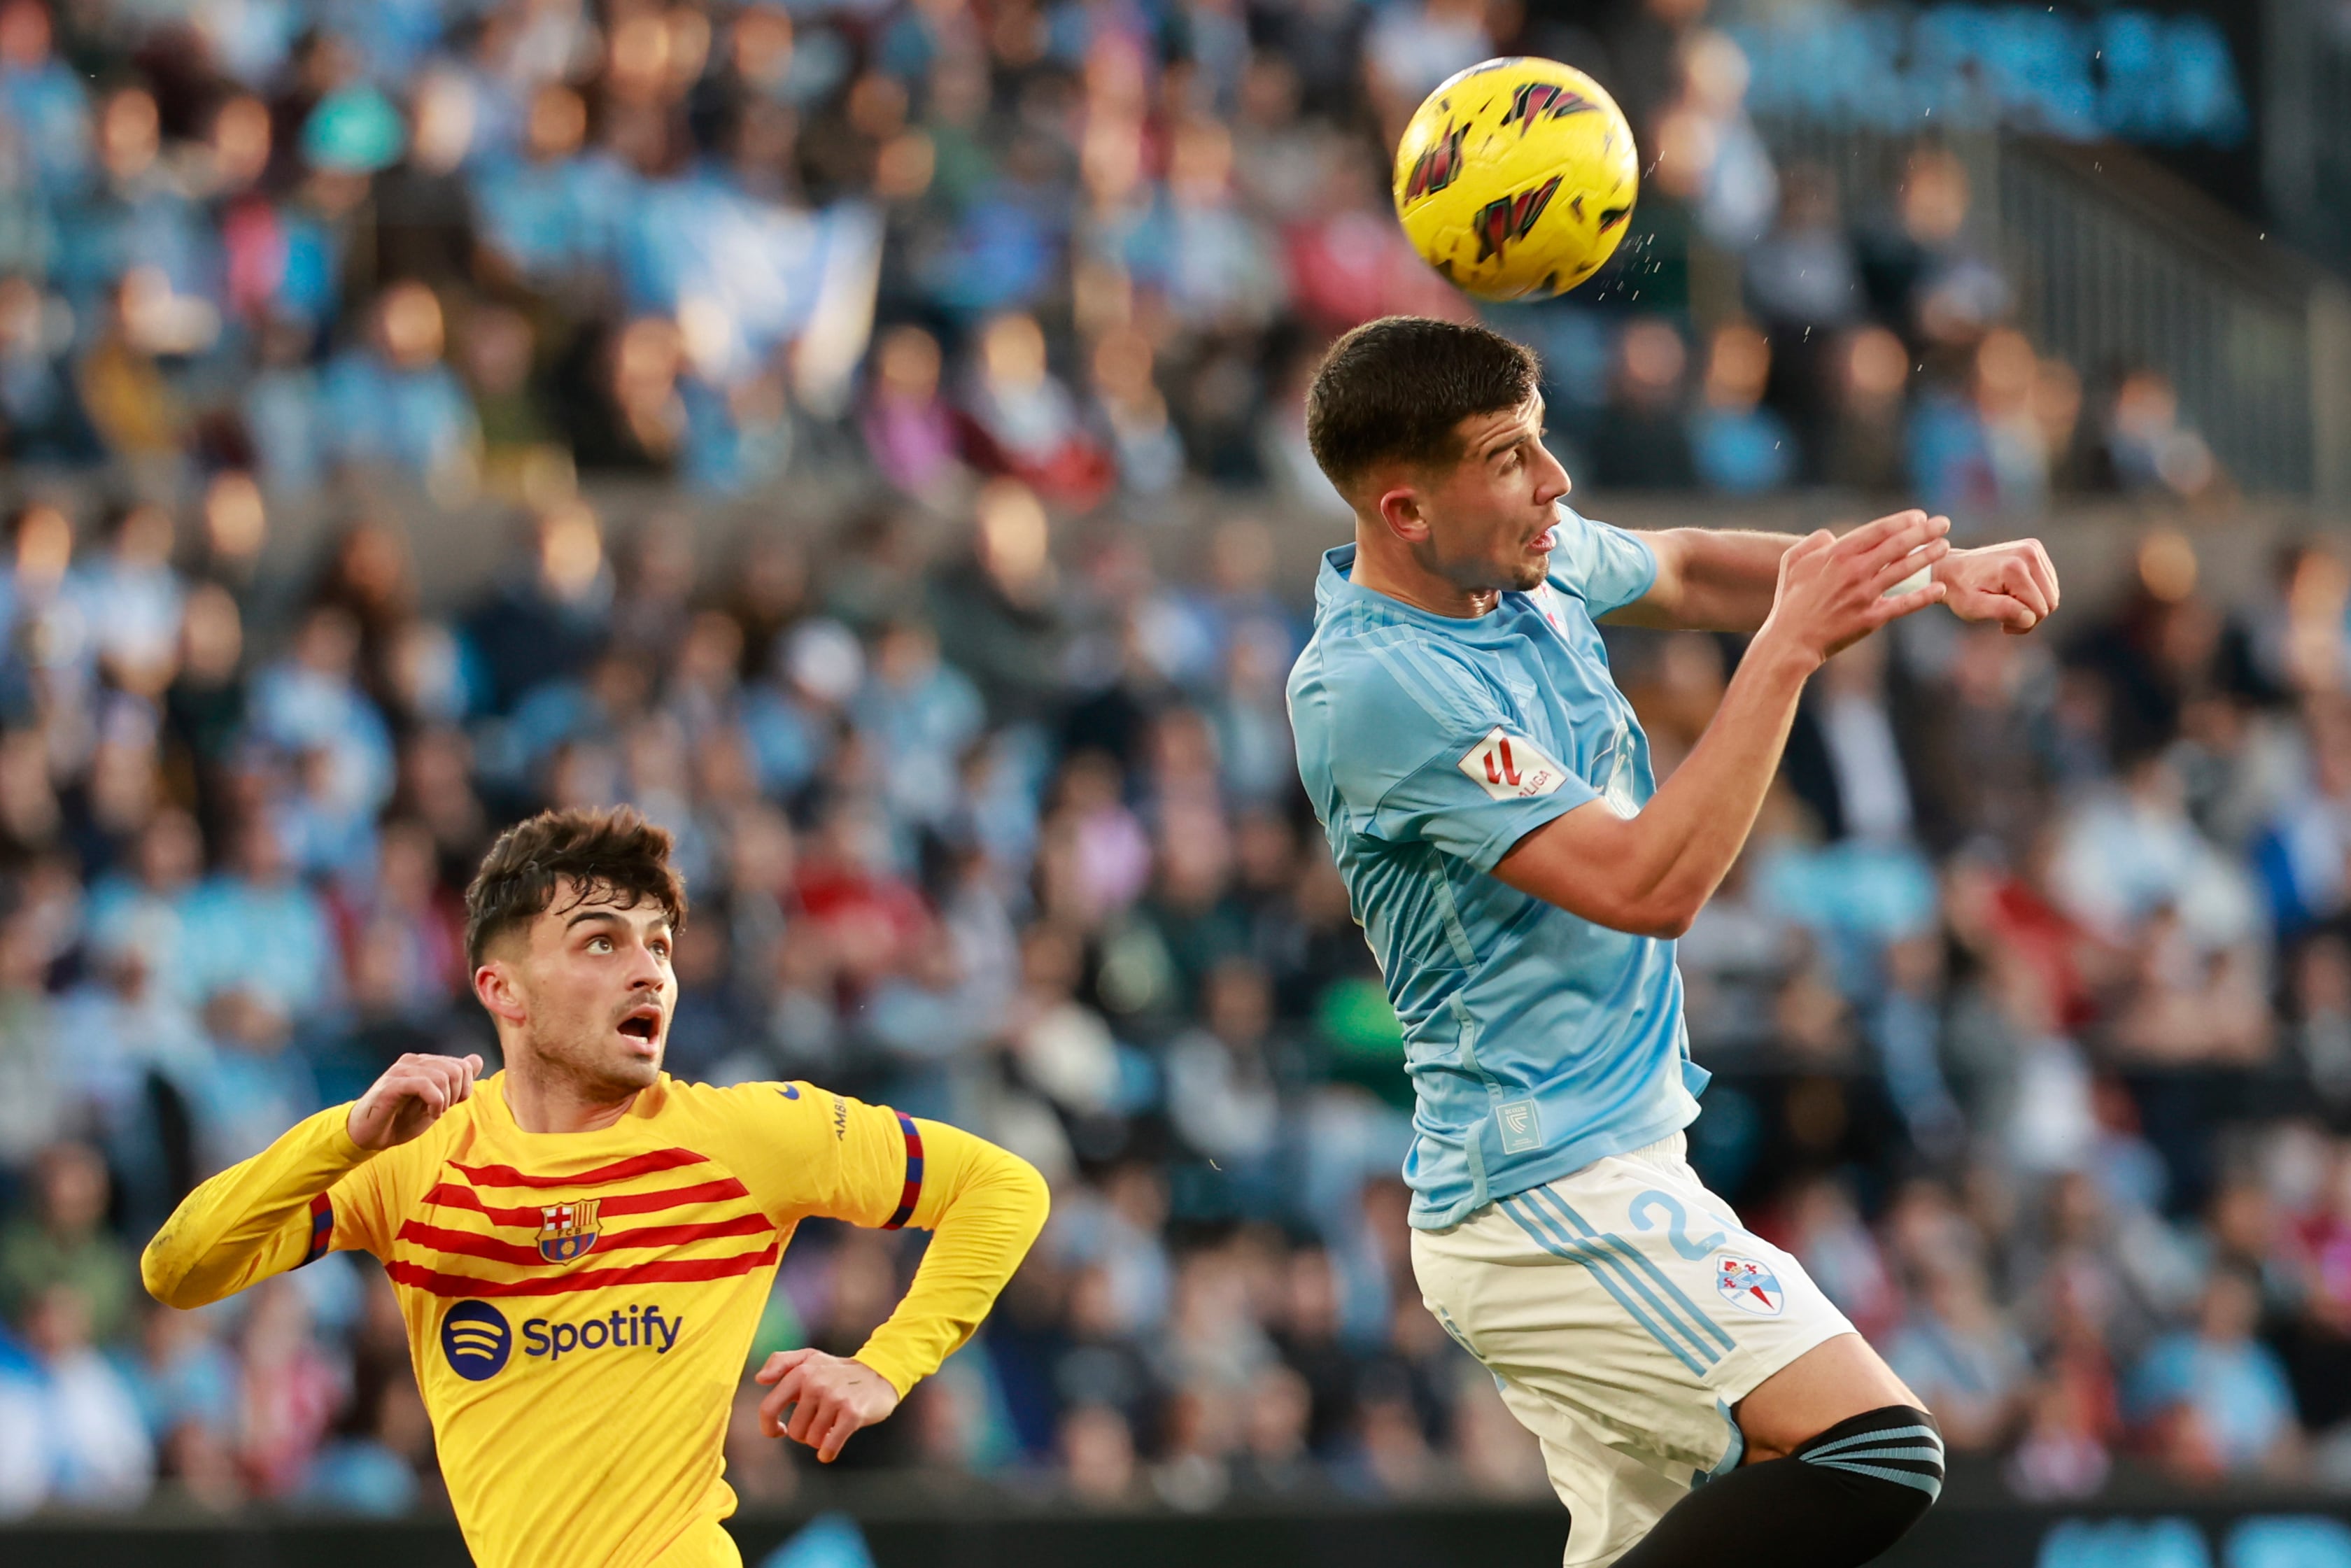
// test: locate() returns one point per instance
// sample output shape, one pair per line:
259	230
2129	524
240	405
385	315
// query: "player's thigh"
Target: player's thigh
1834	1381
1634	1297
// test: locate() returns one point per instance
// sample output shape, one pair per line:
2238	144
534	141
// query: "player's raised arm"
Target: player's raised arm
1650	873
1723	580
268	1214
984	1206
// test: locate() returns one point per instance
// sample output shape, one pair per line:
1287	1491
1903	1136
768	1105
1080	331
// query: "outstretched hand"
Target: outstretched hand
413	1095
828	1397
1834	591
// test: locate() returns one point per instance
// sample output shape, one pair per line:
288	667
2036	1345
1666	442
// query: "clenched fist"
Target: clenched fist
411	1096
2013	584
829	1396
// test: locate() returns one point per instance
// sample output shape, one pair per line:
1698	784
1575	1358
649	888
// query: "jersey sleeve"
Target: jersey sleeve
804	1151
1423	752
310	1192
1605	565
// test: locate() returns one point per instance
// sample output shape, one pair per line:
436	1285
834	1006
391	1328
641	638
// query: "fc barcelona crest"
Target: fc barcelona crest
566	1231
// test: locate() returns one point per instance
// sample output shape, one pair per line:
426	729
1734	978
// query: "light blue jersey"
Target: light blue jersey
1537	1041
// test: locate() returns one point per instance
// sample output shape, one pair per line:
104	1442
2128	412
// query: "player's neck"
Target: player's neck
543	1101
1385	568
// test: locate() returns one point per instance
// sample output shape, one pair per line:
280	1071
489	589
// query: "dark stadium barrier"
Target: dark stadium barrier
2279	1530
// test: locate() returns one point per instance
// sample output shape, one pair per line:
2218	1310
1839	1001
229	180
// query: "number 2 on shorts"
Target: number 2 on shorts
1678	1224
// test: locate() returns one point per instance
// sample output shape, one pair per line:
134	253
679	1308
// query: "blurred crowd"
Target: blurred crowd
2030	1006
471	247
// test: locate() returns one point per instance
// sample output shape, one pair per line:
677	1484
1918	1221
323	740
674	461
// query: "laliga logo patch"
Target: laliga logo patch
1749	1285
475	1341
1510	767
567	1229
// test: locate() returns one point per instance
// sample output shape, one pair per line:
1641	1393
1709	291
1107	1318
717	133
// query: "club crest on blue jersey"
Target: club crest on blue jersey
567	1229
1748	1285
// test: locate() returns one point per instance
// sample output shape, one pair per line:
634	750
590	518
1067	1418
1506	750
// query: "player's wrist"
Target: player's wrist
1780	648
361	1131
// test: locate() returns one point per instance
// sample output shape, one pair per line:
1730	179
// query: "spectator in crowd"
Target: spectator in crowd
1737	447
86	1419
2215	1398
394	404
65	1241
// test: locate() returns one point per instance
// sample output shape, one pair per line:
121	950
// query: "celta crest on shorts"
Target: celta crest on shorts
566	1230
1749	1285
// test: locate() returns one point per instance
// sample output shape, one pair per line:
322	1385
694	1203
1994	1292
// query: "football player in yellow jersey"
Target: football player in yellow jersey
582	1244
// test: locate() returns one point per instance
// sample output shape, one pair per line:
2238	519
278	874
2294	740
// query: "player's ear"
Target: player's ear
1399	507
496	987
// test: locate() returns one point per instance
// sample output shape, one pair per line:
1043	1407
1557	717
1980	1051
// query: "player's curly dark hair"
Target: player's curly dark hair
1398	388
615	855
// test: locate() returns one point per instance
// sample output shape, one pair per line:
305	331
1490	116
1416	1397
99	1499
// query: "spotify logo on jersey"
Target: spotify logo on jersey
475	1339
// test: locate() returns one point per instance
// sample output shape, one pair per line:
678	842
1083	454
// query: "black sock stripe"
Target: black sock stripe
1878	1429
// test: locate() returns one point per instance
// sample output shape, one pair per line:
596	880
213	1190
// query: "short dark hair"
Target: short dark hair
615	855
1399	389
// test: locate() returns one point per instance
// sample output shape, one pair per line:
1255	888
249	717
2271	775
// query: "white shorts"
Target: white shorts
1623	1309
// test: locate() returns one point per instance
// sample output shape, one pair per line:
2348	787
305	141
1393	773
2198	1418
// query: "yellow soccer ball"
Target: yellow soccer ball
1516	178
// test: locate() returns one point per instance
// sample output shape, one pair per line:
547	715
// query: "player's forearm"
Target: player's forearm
1650	875
1709	579
1700	817
984	1208
252	1219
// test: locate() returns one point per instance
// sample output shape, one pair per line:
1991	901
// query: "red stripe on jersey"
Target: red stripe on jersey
449	1195
666	1272
474	1245
619	1170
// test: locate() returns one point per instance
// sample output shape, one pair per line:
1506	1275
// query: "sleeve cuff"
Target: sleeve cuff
894	1372
1541	811
340	1142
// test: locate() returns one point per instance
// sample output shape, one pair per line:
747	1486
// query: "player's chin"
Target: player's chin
1527	574
634	1061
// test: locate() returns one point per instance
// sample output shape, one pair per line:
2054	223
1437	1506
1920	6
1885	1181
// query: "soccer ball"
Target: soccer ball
1516	178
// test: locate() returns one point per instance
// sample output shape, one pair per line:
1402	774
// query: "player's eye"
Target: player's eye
600	943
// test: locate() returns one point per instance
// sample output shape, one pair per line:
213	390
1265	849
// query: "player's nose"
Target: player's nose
1552	482
644	969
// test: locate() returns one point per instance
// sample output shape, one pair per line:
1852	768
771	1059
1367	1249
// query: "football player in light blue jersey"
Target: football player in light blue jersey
1521	877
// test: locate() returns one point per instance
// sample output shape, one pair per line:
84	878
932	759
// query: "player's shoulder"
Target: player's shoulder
769	1105
1380	677
1588	554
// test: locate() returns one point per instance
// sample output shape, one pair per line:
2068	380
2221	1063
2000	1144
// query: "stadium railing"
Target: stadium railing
2119	263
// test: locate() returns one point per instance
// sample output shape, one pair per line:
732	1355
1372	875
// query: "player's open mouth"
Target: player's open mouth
644	1024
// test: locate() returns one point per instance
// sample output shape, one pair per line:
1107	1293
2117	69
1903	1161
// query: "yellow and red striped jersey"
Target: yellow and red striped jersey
579	1305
